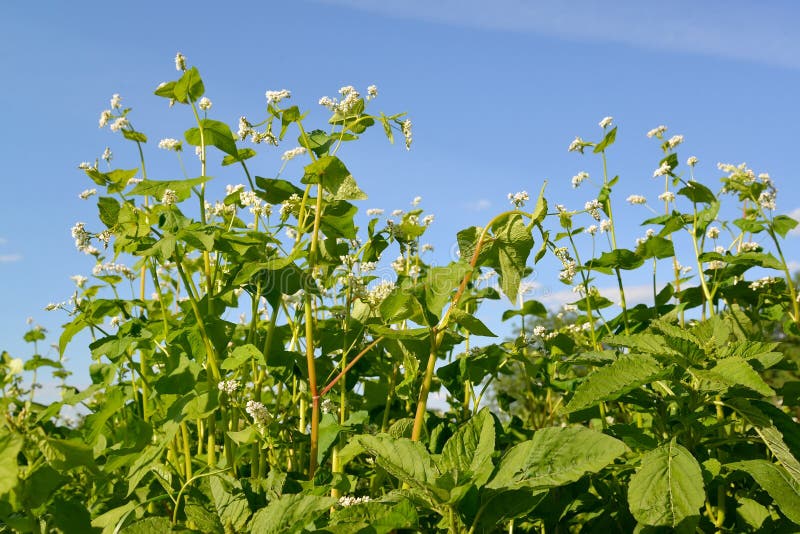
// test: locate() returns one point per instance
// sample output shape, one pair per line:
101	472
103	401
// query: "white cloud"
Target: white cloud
479	205
758	32
10	258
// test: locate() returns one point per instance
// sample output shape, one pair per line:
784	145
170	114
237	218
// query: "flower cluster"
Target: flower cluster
229	386
657	132
593	207
518	199
83	239
579	178
258	412
637	199
274	97
170	144
406	129
293	153
111	268
347	500
169	198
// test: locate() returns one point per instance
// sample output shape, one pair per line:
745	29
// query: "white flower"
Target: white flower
293	153
87	193
539	330
116	101
663	170
416	201
674	141
606	122
719	249
427	247
229	386
637	199
328	102
180	62
593	207
105	116
119	124
15	366
245	128
749	246
204	104
577	145
767	200
82	237
257	411
414	271
399	265
605	226
169	197
692	161
291	233
231	189
107	155
667	196
715	264
579	178
170	144
114	321
273	97
762	283
518	199
591	230
713	232
406	129
372	92
346	500
657	131
375	296
374	211
79	280
85	165
397	213
427	220
567	274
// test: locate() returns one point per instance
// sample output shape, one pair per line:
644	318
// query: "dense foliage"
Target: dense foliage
311	413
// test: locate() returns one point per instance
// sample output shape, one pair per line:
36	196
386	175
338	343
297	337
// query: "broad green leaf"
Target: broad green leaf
189	86
554	457
668	489
149	525
530	307
472	324
655	247
214	133
776	482
289	514
67	454
513	243
108	210
375	517
133	135
10	445
337	219
316	141
402	458
625	374
241	355
334	177
540	210
769	434
241	155
156	188
697	192
783	224
469	451
110	520
230	502
607	141
734	371
276	190
617	259
440	282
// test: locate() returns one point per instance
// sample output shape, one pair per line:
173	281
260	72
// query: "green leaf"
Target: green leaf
230	502
133	135
375	517
617	259
439	284
337	219
769	434
776	482
697	192
189	86
67	454
149	525
554	457
783	224
241	355
156	188
290	513
276	190
469	451
402	458
215	133
242	155
10	445
607	141
512	244
110	520
625	374
540	210
656	247
334	177
734	371
530	307
668	489
108	210
472	324
316	141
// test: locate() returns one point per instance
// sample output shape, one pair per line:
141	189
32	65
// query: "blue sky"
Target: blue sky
496	90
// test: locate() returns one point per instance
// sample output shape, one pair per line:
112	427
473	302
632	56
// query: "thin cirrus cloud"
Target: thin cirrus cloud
733	29
10	258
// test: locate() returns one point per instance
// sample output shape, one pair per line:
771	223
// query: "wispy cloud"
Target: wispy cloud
752	31
10	258
479	205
